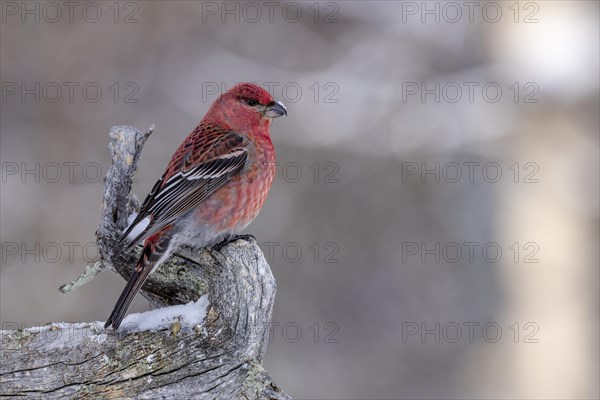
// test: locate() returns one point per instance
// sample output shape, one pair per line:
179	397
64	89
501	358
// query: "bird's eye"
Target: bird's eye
251	102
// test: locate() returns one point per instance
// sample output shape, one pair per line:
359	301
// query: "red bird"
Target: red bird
213	187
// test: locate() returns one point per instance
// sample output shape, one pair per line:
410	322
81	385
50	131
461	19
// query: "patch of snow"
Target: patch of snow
54	326
188	315
59	334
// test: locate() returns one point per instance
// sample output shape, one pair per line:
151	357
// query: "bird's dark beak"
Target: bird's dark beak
275	109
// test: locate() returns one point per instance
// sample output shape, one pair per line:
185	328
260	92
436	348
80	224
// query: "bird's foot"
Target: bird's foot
245	237
230	238
222	243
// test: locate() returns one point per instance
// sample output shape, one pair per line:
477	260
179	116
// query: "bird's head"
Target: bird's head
246	106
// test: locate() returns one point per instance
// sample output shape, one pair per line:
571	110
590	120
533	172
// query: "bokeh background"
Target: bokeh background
415	130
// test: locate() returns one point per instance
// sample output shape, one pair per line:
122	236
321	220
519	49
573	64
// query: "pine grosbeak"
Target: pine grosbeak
213	187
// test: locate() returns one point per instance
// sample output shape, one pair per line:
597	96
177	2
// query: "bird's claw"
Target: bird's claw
222	243
230	239
245	237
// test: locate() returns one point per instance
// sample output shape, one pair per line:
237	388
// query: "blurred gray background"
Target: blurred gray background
415	131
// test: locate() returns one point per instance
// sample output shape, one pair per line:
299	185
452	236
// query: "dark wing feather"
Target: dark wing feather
181	192
142	214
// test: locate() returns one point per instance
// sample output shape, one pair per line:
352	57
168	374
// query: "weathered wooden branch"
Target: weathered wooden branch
218	358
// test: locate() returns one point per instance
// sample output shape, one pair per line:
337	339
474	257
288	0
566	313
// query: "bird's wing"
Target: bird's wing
202	165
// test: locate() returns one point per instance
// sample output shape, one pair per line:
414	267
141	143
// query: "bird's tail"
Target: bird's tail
155	248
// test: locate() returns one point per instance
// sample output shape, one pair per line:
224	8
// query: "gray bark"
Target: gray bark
221	358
